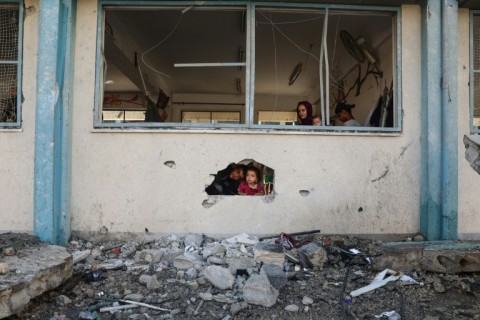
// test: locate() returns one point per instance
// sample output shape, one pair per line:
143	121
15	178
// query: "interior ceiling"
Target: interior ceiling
206	36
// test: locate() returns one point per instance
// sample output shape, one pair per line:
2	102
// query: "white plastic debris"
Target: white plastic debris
380	281
354	251
390	315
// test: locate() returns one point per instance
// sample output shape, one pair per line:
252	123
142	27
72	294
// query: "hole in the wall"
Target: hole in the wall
170	164
304	193
208	203
246	177
360	209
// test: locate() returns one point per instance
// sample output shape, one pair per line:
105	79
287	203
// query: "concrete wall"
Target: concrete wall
358	184
468	179
17	146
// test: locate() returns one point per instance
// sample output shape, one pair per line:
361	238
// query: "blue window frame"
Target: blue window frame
11	26
274	55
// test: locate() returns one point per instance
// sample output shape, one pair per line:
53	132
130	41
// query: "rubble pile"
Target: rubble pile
243	277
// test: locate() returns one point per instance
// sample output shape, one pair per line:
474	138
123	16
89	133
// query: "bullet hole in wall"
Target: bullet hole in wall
304	193
170	164
246	177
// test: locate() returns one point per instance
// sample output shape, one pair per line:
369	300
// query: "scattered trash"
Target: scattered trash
390	315
380	281
288	242
93	276
120	307
144	305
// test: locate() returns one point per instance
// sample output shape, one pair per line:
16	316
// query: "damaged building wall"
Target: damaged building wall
358	184
468	178
17	145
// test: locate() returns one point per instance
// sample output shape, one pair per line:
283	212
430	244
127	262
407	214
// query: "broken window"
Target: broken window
475	75
247	64
10	63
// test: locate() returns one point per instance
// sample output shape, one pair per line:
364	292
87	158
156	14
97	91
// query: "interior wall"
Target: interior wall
17	146
370	91
468	179
339	183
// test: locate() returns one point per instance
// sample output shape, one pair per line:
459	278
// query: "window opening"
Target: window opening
10	64
261	62
301	53
189	54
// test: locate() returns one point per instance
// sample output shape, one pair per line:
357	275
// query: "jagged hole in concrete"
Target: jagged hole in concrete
227	181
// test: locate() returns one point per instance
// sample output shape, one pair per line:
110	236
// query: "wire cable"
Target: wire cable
160	42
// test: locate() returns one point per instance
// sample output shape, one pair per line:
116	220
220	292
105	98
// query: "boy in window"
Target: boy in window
344	113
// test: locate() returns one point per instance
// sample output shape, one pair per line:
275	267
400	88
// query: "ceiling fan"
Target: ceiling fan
357	48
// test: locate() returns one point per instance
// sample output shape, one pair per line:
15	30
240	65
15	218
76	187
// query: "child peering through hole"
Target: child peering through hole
227	181
305	113
251	186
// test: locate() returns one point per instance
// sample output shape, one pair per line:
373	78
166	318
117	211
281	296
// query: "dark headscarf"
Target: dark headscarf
308	121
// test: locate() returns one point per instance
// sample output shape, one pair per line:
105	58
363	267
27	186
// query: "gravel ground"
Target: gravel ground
321	292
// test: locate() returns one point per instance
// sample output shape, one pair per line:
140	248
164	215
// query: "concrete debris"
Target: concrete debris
316	254
37	270
219	277
259	291
269	253
198	277
292	308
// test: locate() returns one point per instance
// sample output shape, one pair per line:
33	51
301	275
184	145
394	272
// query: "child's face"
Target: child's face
343	115
251	177
236	174
317	122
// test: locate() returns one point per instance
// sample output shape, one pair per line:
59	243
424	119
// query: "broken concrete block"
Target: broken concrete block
79	256
187	261
149	255
243	239
151	282
170	255
193	239
433	256
316	254
259	291
400	256
206	296
39	269
269	253
219	277
237	307
213	249
239	263
451	261
276	276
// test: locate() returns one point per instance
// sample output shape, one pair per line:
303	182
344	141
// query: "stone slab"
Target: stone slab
433	256
33	271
